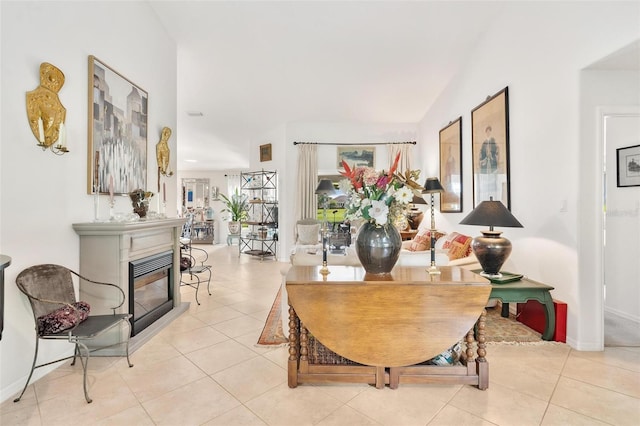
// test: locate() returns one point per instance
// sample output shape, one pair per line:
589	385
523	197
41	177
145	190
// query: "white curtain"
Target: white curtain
306	200
406	152
233	183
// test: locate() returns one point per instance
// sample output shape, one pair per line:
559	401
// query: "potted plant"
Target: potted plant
238	207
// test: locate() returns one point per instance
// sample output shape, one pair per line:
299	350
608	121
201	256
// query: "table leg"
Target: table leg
550	314
505	310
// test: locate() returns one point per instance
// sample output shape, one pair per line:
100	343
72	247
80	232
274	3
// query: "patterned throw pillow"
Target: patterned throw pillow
63	318
457	246
422	240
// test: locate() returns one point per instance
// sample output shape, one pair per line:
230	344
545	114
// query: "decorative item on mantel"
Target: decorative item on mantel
46	113
491	249
140	201
376	197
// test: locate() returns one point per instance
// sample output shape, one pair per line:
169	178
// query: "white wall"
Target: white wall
43	194
539	59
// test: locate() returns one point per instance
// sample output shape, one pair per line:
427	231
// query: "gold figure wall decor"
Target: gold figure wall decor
163	153
45	112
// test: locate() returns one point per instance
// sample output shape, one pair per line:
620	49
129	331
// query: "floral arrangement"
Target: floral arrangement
376	197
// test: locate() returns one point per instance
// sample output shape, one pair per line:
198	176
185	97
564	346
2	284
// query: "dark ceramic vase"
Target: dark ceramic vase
378	247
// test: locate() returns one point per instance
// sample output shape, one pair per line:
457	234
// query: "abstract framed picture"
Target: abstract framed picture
451	167
490	148
357	156
265	152
628	166
117	129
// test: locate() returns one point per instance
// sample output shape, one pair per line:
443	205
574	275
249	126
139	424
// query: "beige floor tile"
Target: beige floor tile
627	358
250	340
221	356
561	416
500	405
279	355
304	405
596	402
533	381
20	414
347	416
239	326
183	323
239	416
344	392
192	404
251	378
197	339
449	416
135	415
27	400
407	405
251	306
603	375
155	350
148	381
217	315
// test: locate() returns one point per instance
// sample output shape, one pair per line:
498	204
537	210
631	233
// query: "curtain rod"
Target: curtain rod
355	144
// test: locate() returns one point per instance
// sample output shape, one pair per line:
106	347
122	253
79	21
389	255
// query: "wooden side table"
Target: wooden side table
523	290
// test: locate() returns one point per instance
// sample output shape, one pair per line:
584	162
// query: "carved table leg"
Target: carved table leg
292	365
481	363
304	349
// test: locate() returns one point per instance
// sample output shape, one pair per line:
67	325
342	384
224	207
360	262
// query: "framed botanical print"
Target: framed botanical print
117	129
490	147
451	167
628	166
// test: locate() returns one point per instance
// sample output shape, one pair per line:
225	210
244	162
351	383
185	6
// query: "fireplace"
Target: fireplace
151	284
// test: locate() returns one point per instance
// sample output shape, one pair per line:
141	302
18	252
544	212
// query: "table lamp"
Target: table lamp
325	190
491	249
432	186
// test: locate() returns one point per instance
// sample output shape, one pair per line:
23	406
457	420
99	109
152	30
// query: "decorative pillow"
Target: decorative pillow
63	318
422	240
457	246
308	234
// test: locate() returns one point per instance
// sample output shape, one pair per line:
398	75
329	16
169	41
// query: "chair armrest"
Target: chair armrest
122	295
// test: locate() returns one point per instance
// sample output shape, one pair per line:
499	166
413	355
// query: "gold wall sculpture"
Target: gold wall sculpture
45	112
163	153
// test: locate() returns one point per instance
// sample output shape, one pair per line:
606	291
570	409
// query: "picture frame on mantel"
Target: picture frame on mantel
628	166
451	166
490	148
117	129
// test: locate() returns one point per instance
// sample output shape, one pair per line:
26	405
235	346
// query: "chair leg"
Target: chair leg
33	367
127	344
76	351
85	365
209	281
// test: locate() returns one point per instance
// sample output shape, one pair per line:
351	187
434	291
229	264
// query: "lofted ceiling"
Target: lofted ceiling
248	67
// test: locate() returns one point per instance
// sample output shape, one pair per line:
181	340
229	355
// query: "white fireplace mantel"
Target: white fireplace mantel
106	248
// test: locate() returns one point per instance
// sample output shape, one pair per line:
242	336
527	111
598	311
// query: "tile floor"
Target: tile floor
204	369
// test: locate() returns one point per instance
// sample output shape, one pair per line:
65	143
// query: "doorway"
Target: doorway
621	231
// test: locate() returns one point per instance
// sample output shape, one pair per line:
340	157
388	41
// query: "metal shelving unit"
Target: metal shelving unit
261	235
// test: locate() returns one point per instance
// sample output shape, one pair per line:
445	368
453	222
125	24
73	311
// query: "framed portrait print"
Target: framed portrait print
265	152
117	129
490	147
628	166
357	156
451	167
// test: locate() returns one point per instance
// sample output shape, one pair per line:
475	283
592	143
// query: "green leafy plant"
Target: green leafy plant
236	205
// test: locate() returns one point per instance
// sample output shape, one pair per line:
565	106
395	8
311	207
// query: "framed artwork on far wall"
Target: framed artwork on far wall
265	152
117	129
490	148
628	166
451	167
357	156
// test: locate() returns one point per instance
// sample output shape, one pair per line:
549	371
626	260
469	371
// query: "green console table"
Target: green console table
525	289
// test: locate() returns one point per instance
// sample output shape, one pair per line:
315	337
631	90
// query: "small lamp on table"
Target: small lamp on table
433	186
325	189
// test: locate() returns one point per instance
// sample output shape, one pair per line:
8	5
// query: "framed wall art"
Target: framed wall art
451	167
265	152
490	147
117	129
628	166
357	156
